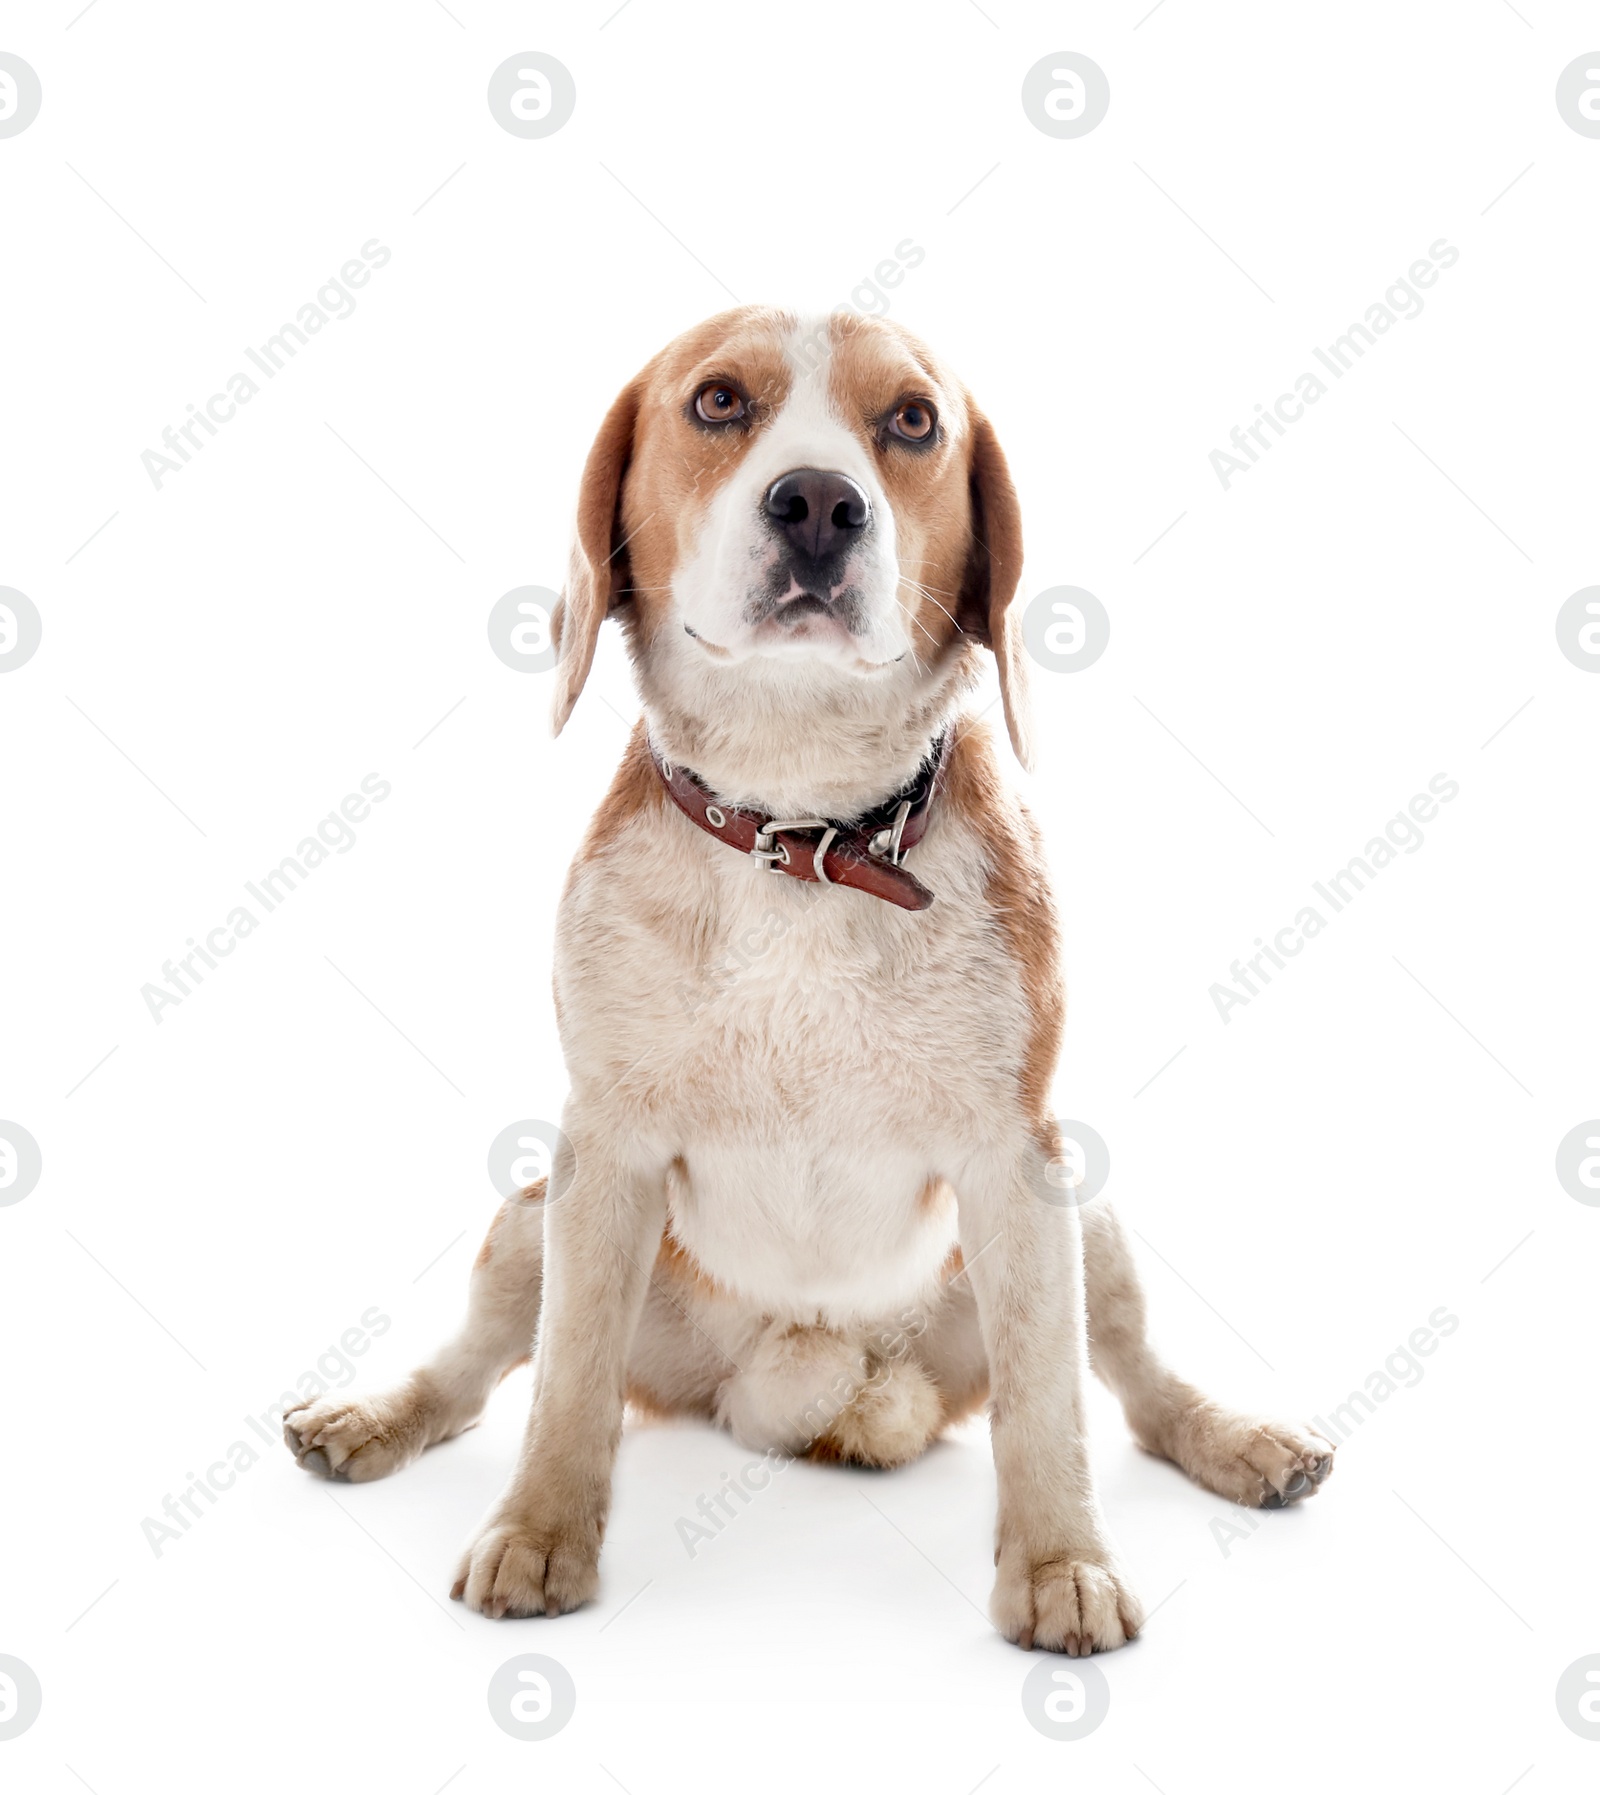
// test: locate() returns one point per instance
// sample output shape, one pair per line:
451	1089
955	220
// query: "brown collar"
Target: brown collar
867	854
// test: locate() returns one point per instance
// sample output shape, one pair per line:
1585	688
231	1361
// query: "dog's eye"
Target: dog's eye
719	403
912	422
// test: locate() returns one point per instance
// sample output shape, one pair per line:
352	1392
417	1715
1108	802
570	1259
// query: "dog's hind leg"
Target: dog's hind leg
1260	1463
360	1438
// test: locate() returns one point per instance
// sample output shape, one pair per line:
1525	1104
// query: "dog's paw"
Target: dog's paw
1063	1603
1261	1464
355	1441
524	1564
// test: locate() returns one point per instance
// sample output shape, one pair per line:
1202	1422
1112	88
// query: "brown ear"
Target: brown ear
994	570
598	572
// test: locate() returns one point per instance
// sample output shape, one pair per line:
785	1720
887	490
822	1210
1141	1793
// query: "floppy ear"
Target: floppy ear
994	569
598	571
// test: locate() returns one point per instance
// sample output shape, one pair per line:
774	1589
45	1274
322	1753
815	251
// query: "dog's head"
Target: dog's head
815	503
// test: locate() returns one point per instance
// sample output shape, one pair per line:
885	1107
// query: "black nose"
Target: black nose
821	513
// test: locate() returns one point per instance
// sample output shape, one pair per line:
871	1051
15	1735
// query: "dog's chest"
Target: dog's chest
748	993
811	1057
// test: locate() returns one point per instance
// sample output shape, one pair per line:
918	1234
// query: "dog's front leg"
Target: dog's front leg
538	1551
1058	1584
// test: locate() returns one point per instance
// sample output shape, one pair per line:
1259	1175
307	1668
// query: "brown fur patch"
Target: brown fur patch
933	1196
636	790
677	1268
1018	890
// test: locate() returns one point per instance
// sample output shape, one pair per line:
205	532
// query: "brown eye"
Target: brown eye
912	421
719	403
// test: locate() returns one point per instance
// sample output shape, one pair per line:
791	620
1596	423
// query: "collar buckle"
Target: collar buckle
886	843
774	855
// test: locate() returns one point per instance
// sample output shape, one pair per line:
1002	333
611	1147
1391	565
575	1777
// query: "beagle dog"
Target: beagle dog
808	982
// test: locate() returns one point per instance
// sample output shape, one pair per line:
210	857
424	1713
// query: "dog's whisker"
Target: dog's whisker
927	593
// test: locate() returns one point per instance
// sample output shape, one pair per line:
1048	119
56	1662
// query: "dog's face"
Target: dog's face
813	469
817	496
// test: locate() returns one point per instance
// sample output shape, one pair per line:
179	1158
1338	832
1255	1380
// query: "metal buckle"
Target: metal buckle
775	855
886	843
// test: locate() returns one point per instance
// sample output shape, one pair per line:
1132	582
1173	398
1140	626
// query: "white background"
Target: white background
1289	664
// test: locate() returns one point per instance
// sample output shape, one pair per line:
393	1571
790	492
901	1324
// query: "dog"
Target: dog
808	983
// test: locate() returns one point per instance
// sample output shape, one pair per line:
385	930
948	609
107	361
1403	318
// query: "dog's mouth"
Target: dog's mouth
806	604
809	620
789	610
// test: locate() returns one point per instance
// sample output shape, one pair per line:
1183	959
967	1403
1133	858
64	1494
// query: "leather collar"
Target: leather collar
867	854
